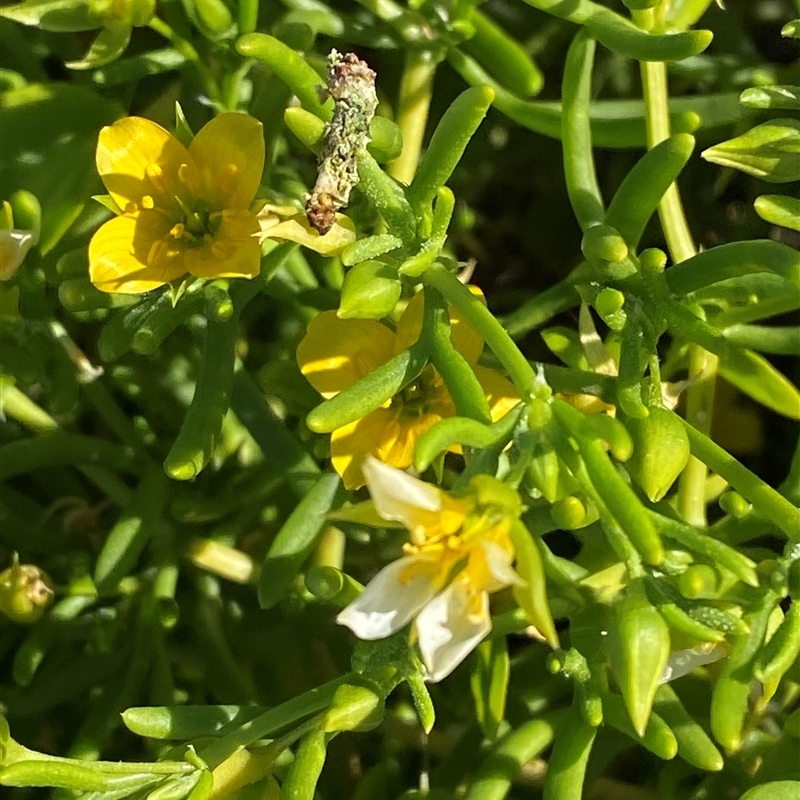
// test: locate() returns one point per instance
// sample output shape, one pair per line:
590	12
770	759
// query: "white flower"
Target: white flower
459	553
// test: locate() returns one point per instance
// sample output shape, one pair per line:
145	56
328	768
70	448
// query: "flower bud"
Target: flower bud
355	707
371	290
769	151
607	252
660	451
25	592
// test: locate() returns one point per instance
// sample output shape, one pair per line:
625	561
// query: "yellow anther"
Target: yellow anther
178	231
148	202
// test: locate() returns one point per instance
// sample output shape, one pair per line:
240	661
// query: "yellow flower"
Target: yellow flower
335	353
183	209
460	551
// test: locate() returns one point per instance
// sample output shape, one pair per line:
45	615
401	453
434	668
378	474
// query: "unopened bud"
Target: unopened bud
25	591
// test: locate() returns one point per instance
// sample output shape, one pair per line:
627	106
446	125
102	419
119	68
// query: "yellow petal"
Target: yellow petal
134	254
353	443
229	152
234	252
335	353
401	437
501	393
137	158
297	229
464	337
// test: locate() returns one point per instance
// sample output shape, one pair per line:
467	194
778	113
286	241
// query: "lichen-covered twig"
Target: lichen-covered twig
351	84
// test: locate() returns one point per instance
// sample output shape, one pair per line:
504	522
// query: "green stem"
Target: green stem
702	365
284	715
487	325
766	501
187	50
416	88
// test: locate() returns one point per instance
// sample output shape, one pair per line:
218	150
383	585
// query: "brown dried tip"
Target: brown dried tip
351	84
321	211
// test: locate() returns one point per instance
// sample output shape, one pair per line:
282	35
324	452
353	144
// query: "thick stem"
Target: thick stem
702	365
416	88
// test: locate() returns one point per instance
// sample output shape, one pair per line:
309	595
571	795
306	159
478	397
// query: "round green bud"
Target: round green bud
370	291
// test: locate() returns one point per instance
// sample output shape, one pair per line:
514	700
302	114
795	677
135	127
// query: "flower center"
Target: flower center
421	394
192	222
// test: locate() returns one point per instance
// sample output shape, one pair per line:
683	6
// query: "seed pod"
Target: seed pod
370	291
639	646
660	451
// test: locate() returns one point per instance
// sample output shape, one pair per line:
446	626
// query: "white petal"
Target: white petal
499	561
682	662
391	598
447	632
397	495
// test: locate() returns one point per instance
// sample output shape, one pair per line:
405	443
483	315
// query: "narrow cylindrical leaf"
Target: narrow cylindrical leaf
295	541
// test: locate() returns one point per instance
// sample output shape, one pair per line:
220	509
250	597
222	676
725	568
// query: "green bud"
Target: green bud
770	151
539	414
568	513
608	304
791	30
25	592
660	451
604	243
771	97
779	210
489	492
543	471
27	211
734	504
355	707
370	290
212	17
700	581
652	261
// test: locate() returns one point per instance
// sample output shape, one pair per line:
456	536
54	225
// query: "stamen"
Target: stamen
148	202
156	177
156	251
178	231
